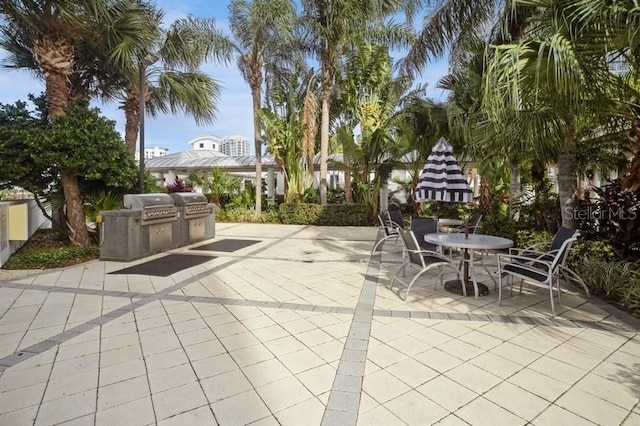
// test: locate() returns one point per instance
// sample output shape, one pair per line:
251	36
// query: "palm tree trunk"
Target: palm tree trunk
514	188
324	130
567	182
255	96
55	58
348	195
132	122
78	233
631	179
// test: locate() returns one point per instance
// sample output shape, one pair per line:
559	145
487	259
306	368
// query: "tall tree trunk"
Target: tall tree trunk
348	194
132	122
514	188
324	130
567	182
78	233
256	98
631	178
55	58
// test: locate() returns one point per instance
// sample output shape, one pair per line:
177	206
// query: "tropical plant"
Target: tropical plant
220	187
178	185
175	85
263	30
329	29
43	37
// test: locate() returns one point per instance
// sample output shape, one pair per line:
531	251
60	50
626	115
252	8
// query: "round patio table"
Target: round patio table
469	243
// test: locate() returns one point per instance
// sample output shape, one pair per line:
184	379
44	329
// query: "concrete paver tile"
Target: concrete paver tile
178	400
447	393
517	400
199	416
71	384
171	377
24	416
283	393
319	379
411	372
225	385
592	407
302	360
240	409
16	379
379	416
117	356
515	353
495	365
414	408
67	408
213	366
438	360
138	412
122	392
122	371
544	386
204	350
382	386
555	415
307	412
480	412
384	355
473	378
266	372
22	397
165	360
251	355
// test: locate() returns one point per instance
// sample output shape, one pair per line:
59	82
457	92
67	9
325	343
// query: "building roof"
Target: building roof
207	159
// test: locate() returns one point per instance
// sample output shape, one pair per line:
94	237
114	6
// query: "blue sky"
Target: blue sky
174	132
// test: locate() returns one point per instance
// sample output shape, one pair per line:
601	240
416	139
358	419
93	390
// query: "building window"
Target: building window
201	145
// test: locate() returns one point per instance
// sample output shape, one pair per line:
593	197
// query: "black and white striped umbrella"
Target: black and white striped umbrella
441	178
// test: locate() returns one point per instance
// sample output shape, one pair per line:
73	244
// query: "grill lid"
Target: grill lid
147	201
183	199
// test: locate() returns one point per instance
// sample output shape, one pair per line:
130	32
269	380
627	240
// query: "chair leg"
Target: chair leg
396	275
406	293
500	289
575	277
553	309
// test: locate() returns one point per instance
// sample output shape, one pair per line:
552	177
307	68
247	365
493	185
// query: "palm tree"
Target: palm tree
330	25
263	31
176	85
46	34
553	73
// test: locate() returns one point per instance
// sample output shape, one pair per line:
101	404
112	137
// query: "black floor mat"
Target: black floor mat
226	245
166	265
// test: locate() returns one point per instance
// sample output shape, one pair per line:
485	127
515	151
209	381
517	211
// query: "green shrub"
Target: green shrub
329	215
614	280
240	214
50	257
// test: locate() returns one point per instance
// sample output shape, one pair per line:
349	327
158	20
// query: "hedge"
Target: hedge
331	214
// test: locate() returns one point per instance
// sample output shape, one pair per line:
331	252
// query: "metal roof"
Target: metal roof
203	159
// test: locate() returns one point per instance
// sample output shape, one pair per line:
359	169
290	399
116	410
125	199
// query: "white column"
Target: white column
271	186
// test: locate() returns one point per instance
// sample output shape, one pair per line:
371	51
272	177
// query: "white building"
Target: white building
153	152
235	146
206	142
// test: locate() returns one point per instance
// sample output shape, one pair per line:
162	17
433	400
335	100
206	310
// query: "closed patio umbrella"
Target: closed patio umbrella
441	179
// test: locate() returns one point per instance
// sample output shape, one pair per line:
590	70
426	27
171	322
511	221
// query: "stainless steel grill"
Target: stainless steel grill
195	205
154	208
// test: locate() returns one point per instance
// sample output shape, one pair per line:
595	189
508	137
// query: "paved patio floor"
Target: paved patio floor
301	329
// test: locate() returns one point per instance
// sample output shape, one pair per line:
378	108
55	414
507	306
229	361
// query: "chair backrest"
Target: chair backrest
386	227
561	236
422	226
395	217
560	256
475	223
413	249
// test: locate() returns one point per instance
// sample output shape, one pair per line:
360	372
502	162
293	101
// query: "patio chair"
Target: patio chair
389	230
396	219
422	226
420	260
542	269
